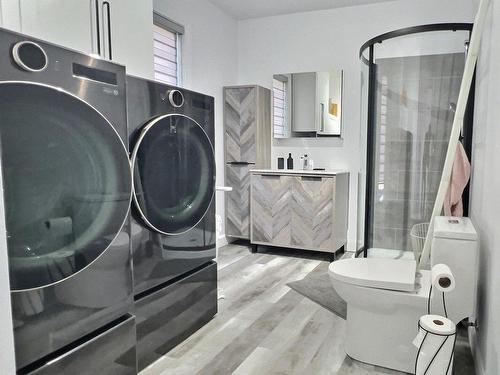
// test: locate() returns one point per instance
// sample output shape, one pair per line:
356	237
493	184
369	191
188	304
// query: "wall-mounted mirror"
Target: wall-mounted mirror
308	104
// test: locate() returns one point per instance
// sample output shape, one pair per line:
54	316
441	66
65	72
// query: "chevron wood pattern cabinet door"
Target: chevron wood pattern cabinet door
240	111
238	201
271	209
312	222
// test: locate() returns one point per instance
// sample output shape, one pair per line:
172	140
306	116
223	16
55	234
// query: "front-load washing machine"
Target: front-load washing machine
173	216
67	188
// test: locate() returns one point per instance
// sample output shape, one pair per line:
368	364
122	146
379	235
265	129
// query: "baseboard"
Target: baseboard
478	361
222	240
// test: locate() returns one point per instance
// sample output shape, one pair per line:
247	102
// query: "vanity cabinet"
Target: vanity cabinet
303	210
117	30
247	145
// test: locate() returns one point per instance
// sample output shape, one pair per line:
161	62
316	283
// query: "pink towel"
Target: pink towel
459	178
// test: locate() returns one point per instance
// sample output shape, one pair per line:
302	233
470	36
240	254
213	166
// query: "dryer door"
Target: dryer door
174	174
67	183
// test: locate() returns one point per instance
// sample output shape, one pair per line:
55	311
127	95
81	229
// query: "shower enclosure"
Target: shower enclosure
410	80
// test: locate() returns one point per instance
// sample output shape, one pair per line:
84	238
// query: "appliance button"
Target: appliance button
30	56
176	98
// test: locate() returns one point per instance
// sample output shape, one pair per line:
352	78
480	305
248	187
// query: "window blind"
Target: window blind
279	108
166	50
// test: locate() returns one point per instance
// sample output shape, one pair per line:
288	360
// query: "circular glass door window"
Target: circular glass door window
174	174
67	183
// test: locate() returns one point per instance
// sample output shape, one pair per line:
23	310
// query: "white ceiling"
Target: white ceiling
244	9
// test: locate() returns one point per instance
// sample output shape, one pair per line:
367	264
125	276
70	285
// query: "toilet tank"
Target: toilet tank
455	243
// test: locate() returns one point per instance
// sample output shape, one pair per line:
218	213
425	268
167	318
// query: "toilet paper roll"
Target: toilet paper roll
442	278
59	226
435	342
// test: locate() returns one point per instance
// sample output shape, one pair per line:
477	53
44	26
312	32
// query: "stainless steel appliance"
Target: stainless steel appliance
173	217
67	190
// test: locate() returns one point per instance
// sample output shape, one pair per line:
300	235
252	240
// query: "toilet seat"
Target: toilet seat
381	273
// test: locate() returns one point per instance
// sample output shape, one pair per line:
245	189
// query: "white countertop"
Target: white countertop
328	172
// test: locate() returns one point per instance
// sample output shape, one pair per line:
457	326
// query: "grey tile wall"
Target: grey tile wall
413	124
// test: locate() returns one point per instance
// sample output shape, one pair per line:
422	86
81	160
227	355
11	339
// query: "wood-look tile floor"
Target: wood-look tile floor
264	327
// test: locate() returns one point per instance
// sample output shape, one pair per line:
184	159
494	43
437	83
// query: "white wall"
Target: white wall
9	15
320	41
485	200
209	60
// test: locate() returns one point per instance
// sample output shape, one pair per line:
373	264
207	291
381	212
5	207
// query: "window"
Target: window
279	107
166	49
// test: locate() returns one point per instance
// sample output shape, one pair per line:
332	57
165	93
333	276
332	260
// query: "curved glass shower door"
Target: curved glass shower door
410	84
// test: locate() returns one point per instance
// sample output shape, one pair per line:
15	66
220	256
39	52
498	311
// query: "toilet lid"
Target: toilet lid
382	273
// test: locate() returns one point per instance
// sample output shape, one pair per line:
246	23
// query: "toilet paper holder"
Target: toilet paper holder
435	341
442	279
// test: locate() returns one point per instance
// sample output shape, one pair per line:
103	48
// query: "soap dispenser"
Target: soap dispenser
289	162
305	164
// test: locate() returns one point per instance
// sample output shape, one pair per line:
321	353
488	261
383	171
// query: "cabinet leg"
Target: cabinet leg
254	248
334	256
341	250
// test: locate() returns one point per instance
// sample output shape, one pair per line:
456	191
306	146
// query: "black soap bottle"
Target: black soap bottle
281	163
289	162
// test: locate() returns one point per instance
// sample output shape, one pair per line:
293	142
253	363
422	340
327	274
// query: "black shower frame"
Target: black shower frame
468	118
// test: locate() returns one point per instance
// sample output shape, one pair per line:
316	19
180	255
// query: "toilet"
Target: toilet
386	297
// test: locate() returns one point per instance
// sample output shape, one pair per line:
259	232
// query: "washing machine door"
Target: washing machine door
67	183
174	174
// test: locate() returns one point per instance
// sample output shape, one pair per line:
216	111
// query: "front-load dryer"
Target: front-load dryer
173	217
67	188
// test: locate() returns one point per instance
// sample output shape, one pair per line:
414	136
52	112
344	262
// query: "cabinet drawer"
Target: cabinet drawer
170	314
107	353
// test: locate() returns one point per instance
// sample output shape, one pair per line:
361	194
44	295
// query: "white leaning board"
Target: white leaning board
463	96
